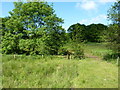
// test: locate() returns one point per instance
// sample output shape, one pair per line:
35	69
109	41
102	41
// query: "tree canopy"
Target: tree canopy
91	33
33	28
114	27
76	32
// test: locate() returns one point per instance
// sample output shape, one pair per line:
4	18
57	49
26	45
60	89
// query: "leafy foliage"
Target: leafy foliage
73	48
78	51
91	33
76	32
33	28
114	31
95	32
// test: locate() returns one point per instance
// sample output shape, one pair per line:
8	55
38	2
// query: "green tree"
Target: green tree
8	44
73	49
3	28
33	28
91	33
76	32
95	32
114	31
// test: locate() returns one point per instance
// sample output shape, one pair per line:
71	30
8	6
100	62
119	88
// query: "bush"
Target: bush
62	51
78	51
72	48
110	56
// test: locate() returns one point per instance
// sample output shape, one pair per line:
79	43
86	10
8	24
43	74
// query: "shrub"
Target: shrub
78	51
72	48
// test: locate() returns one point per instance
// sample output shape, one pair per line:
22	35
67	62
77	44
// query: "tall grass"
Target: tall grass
97	49
57	72
20	71
100	50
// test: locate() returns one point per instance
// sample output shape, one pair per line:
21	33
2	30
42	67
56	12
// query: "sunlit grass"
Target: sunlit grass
58	73
98	49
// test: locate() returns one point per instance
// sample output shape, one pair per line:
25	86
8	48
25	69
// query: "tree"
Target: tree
7	39
3	28
94	32
114	31
91	33
33	28
76	32
72	50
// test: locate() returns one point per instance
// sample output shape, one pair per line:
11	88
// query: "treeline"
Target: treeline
33	28
90	33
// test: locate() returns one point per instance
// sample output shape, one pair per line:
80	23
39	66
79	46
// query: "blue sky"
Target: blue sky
84	12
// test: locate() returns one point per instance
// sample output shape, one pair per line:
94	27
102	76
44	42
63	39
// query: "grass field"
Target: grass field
97	49
59	72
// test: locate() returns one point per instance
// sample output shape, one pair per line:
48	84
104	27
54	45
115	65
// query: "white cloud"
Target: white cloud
106	1
98	19
91	4
65	27
87	5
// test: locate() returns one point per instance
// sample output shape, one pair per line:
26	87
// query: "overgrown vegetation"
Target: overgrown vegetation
57	72
36	49
72	48
90	33
39	31
114	28
33	28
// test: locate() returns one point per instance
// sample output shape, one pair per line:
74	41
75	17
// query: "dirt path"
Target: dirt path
92	56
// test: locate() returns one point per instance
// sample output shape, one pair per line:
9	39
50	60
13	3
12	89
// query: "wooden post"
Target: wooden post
14	56
42	55
118	61
68	56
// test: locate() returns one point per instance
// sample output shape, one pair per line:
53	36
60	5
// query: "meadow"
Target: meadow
59	72
38	51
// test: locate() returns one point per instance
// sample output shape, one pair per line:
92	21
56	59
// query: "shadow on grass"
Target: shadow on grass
111	56
114	58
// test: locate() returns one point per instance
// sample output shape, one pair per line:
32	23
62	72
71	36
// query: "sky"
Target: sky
83	12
